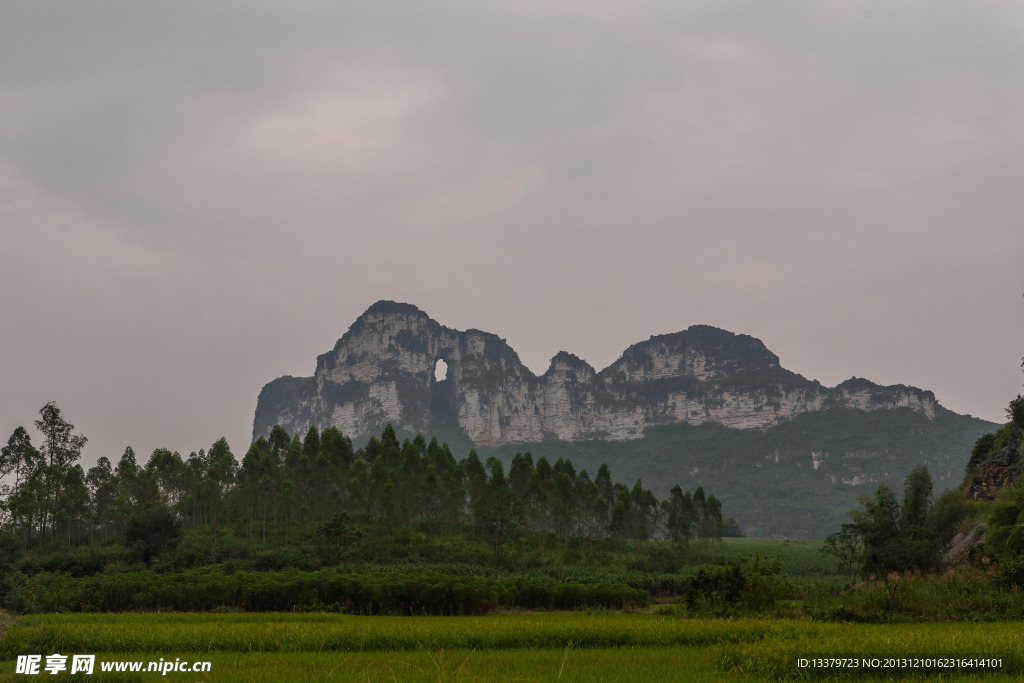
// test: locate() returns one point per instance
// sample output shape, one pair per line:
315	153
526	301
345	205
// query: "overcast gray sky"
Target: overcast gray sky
196	198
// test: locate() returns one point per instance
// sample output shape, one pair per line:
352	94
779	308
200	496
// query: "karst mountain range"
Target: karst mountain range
382	371
704	406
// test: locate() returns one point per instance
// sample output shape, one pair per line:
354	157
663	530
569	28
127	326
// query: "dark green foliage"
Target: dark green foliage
1002	437
152	531
899	538
80	561
406	594
18	458
731	528
908	538
847	546
755	586
341	536
1011	573
315	502
716	590
680	515
878	525
983	448
961	595
1002	515
493	511
1015	412
946	516
1013	549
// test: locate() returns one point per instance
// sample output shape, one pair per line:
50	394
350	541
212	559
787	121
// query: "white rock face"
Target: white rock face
382	371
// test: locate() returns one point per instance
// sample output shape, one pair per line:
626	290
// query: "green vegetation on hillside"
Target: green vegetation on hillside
975	533
768	480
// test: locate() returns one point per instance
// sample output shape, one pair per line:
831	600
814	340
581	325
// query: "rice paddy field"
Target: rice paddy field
554	646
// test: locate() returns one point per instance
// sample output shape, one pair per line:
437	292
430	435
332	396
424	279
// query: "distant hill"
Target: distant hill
796	480
786	455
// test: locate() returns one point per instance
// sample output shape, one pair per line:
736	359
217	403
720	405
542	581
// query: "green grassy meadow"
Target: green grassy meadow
541	646
652	644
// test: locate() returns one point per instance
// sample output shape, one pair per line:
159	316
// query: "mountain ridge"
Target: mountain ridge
381	371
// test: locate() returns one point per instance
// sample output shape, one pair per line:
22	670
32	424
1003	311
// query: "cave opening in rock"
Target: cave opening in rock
442	399
440	371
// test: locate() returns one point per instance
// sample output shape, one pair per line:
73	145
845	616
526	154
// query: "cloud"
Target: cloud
207	194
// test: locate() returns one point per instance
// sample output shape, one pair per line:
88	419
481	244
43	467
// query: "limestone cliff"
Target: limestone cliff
382	371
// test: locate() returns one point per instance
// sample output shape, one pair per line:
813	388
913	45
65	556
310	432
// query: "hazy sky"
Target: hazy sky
196	198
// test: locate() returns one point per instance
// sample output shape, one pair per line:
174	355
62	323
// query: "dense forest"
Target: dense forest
315	501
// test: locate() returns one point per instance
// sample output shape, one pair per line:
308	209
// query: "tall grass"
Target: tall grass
275	632
549	646
960	595
776	659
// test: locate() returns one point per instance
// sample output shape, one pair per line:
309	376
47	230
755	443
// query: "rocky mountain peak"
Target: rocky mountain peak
382	371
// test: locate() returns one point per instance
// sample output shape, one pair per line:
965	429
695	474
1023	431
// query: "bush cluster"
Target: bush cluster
960	595
756	586
408	594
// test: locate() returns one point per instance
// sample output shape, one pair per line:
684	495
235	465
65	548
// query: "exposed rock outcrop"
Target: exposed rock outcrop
997	471
958	550
382	371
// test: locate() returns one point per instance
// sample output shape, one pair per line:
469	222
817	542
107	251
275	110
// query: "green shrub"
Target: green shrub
152	530
1015	411
983	448
1002	437
203	591
963	595
1011	573
1014	545
733	588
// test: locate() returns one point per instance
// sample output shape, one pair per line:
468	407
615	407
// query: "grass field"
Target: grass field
547	646
539	646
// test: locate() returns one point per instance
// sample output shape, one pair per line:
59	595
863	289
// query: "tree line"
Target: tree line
287	484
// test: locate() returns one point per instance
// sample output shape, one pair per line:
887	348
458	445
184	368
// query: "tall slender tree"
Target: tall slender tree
60	449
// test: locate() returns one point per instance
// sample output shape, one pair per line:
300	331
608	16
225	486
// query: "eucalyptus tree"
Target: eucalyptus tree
103	493
167	472
61	447
128	496
681	518
218	480
646	512
19	458
492	509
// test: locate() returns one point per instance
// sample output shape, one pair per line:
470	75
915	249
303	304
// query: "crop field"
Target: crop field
544	646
